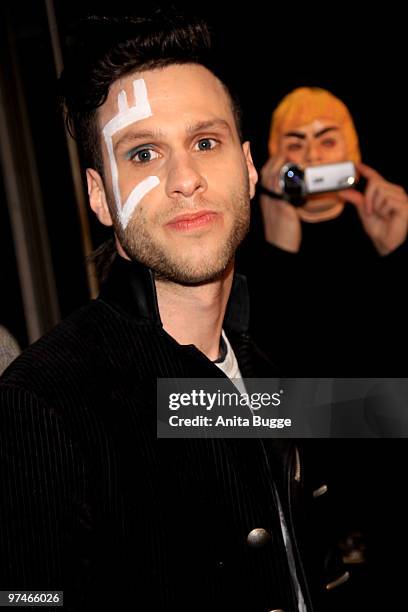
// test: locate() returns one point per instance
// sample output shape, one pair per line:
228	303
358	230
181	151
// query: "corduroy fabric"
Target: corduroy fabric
92	503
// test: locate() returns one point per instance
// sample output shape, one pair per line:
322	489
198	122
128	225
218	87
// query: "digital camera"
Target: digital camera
297	183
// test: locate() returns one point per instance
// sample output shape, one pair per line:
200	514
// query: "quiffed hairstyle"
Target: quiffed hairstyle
104	49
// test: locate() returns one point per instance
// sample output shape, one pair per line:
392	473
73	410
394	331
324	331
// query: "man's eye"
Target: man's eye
328	142
206	144
142	156
294	146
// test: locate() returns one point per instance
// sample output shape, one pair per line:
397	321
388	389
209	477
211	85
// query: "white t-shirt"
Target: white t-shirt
229	365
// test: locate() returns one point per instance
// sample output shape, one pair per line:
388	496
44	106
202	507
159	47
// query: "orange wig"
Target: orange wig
305	104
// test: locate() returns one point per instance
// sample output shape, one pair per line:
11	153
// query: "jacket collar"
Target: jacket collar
130	287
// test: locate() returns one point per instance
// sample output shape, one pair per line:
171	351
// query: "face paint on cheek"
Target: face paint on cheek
126	116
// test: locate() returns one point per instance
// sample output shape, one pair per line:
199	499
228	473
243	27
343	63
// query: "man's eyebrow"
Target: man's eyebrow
208	125
295	134
325	130
302	136
132	136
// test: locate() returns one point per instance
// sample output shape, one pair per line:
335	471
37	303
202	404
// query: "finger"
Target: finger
384	191
381	204
270	178
280	161
369	195
386	209
377	198
271	165
351	195
386	204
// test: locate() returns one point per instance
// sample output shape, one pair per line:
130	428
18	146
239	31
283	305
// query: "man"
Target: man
336	263
92	502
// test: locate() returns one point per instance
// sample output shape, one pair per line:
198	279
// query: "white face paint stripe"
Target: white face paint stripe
137	194
129	114
126	116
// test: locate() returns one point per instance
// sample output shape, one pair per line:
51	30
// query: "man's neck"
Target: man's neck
194	315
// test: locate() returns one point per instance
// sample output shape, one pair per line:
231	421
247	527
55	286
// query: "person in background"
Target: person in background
327	278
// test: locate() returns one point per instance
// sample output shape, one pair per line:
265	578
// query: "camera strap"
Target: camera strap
268	192
295	201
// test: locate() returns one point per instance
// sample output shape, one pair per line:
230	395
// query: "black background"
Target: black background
270	48
360	55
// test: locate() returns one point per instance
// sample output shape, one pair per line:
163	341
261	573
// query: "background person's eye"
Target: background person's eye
329	143
294	146
206	144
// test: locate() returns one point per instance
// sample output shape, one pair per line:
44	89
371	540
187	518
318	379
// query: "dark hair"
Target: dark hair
104	49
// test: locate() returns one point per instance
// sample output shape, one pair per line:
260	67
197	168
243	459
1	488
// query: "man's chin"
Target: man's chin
321	207
321	201
194	269
191	276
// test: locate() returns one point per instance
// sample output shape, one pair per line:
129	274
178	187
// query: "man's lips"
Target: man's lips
192	220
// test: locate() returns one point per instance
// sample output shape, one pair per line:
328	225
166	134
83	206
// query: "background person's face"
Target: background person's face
188	226
319	142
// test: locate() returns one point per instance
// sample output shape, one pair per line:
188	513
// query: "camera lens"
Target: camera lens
292	183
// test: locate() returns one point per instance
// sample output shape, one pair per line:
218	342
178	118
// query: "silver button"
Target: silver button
335	583
277	610
320	491
258	537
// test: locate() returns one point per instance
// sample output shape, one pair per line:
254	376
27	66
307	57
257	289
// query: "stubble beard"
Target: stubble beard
140	245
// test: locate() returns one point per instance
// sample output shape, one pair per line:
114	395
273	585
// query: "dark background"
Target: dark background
271	48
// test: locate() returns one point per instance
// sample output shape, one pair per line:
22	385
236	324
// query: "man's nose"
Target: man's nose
313	154
184	177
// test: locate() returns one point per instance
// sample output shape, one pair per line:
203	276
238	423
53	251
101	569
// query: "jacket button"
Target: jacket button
320	491
335	583
258	537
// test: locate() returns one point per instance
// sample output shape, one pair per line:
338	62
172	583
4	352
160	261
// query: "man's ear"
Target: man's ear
97	196
252	173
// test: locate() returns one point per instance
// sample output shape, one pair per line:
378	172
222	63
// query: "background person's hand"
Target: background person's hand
383	210
282	226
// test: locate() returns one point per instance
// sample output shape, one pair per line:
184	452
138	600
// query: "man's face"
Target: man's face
319	142
177	179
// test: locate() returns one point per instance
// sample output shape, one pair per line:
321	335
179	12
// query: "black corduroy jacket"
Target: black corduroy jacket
93	504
